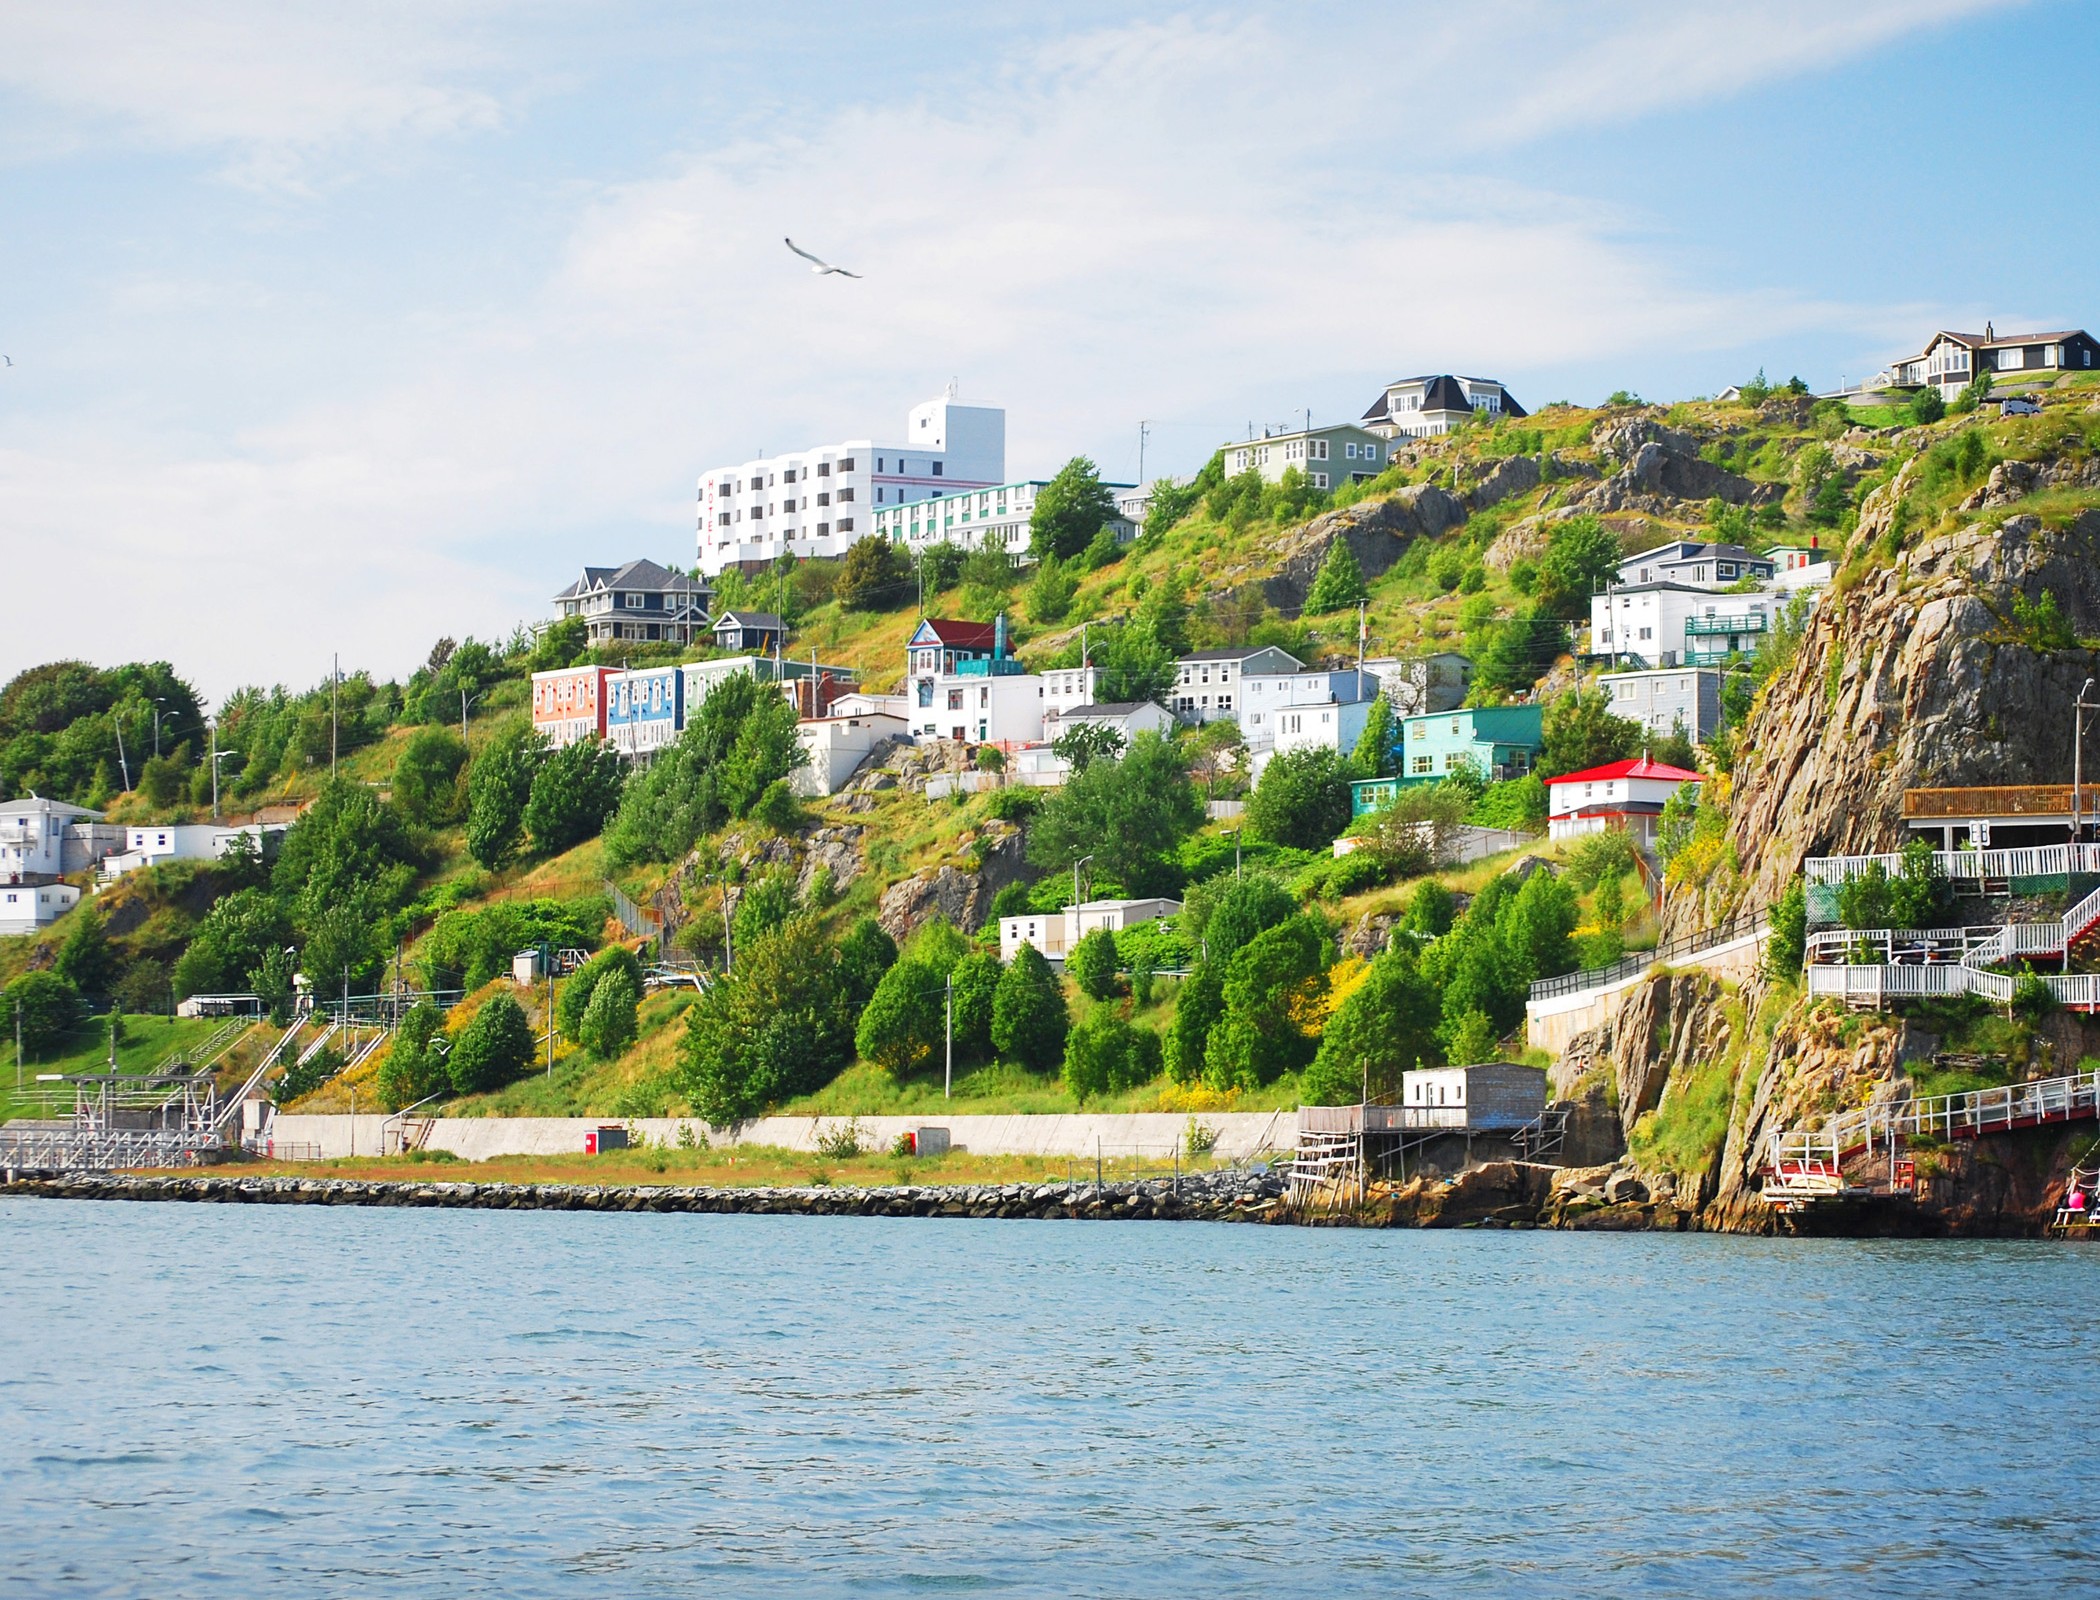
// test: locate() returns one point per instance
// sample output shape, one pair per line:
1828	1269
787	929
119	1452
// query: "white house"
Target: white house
26	907
838	744
1675	624
1331	456
1493	1097
1003	709
1419	685
186	841
1054	933
1421	408
1209	684
1696	564
1128	717
34	839
1624	795
816	502
860	703
1665	700
1291	710
999	515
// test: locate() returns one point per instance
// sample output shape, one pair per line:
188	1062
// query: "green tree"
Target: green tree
498	786
772	1029
426	777
164	779
1104	1055
1260	1036
765	751
904	1024
1387	1026
86	960
1514	653
492	1049
1083	741
1127	814
1581	731
1788	946
875	576
572	1001
1134	662
231	941
1197	1008
348	848
1050	592
1069	510
1378	746
1580	554
1927	405
1029	1018
345	949
1222	914
1431	910
1863	901
976	980
1538	925
44	1005
574	791
1302	799
1473	1041
414	1067
609	1027
1092	964
271	981
1339	582
865	954
1608	911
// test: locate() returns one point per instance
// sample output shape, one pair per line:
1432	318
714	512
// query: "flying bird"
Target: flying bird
822	266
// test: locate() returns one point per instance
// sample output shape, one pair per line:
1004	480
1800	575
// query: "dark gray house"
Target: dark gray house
641	602
755	631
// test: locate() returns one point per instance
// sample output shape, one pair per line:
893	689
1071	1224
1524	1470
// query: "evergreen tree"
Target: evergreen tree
1106	1055
608	1028
1581	731
772	1029
1378	747
1260	1036
1197	1008
904	1023
1339	582
976	980
414	1068
45	1008
85	960
426	777
875	577
1029	1018
573	1000
1069	510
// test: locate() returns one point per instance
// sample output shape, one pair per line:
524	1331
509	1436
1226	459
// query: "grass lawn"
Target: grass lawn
746	1166
148	1041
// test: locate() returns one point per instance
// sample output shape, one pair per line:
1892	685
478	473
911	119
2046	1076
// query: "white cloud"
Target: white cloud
1186	219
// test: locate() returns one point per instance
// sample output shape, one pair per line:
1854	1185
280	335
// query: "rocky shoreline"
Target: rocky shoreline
1201	1197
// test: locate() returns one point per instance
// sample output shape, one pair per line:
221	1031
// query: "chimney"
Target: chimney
999	638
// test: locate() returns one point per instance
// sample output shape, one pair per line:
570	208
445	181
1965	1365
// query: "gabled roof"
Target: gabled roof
1241	652
1107	710
1659	771
642	574
956	635
1993	341
49	808
1683	550
748	619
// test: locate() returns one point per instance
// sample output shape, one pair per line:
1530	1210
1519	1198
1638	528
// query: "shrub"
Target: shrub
1106	1055
903	1025
426	778
492	1049
45	1007
1339	582
573	793
1302	798
414	1067
1788	946
498	786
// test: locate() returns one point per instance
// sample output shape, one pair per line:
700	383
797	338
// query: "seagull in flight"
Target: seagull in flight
822	266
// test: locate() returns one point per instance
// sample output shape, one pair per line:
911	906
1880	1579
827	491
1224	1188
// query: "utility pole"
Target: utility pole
123	763
948	1064
728	933
1077	899
1360	644
1143	426
335	678
549	948
158	702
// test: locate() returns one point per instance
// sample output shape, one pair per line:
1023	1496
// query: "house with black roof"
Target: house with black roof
1422	408
749	630
1952	361
641	602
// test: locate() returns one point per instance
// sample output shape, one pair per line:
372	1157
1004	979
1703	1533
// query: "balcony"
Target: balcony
1749	622
986	668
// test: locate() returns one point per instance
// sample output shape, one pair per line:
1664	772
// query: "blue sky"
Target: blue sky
342	328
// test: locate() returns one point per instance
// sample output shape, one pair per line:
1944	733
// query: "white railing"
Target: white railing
1947	1116
2079	991
2038	861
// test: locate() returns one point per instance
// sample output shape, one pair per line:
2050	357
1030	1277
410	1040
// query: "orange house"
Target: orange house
568	703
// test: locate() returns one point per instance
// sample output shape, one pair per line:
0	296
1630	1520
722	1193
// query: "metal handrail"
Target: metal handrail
1741	925
1967	1115
2033	861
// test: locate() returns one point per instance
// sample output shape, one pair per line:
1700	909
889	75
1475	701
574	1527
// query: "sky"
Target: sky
340	329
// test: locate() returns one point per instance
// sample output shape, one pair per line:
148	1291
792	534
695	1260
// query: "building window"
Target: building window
936	469
1423	764
823	469
845	495
846	464
824	499
1319	480
634	602
845	524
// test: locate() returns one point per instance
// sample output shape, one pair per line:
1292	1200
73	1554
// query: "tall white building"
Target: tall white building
817	502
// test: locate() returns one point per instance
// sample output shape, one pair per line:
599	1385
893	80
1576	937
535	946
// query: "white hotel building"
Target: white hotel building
817	502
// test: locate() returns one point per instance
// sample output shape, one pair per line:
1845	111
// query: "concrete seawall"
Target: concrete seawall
1157	1135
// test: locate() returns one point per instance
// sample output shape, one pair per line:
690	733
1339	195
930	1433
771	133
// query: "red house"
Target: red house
1627	795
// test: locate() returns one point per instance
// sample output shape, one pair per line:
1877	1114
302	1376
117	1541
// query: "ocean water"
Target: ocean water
225	1401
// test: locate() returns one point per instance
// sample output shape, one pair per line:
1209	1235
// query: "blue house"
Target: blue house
645	709
1501	741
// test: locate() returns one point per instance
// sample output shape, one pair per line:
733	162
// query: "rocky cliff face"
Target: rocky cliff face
1916	675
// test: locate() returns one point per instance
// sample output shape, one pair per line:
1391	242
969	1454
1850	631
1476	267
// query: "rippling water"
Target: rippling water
321	1402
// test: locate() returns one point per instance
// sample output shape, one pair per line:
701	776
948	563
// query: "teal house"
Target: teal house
1502	741
1367	795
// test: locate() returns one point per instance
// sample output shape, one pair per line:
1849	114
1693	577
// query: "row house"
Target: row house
998	517
645	710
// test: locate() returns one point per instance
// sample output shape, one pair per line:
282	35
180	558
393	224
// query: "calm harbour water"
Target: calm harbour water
323	1402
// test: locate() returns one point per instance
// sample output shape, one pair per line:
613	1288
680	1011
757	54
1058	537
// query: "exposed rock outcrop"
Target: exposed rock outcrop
1378	533
962	894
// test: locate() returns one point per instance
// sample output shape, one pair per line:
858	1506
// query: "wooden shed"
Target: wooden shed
1494	1097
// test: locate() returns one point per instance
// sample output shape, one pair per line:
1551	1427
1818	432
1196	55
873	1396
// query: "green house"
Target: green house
1502	741
1367	795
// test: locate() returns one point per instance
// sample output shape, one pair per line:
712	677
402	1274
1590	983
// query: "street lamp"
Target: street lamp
158	702
1077	898
2079	708
217	756
465	700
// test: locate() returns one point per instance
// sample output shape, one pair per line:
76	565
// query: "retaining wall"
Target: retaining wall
1550	1024
1075	1137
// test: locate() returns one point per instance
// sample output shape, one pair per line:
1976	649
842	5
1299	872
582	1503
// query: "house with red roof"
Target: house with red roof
1627	795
